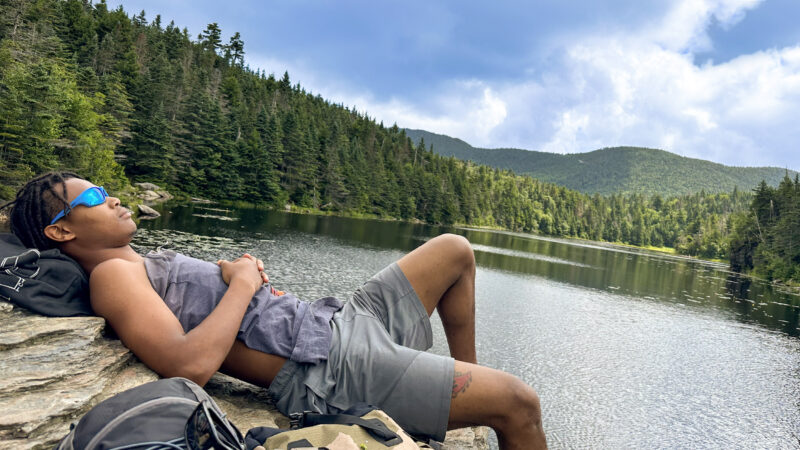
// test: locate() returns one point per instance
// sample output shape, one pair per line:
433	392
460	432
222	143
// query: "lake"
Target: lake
626	348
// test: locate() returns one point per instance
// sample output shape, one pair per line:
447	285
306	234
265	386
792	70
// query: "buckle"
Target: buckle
296	420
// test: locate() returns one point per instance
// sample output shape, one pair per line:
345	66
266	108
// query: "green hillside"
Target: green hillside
611	170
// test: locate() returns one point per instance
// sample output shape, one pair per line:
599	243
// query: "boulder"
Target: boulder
147	211
467	439
147	186
56	369
149	195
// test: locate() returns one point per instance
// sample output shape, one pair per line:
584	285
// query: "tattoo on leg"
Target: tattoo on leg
461	382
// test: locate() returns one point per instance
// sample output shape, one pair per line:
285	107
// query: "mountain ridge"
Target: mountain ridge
611	170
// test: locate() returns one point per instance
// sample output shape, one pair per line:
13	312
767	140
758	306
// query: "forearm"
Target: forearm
205	347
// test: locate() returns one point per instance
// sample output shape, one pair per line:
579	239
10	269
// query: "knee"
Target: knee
460	249
523	410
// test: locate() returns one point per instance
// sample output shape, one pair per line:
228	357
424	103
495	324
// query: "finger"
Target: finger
260	264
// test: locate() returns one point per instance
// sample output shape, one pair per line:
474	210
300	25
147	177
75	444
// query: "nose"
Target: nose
113	201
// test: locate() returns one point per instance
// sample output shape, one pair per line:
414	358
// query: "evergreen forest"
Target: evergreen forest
767	236
121	98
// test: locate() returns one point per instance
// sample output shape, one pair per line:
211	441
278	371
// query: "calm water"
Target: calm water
627	349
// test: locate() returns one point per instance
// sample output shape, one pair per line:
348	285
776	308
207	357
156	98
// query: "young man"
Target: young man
184	317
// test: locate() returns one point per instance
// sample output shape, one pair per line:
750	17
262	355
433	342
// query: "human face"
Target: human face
105	225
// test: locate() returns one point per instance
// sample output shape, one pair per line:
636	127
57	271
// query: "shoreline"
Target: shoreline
354	215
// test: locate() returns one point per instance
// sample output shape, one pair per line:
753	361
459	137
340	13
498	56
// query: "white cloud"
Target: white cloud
684	27
472	109
469	108
636	93
637	88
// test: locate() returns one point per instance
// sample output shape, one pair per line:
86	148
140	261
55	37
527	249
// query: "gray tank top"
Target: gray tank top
279	325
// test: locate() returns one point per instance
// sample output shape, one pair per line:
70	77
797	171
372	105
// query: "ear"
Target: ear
59	232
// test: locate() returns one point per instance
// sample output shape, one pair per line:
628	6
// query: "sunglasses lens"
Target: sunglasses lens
94	196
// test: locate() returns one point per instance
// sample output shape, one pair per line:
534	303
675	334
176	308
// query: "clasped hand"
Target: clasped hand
248	268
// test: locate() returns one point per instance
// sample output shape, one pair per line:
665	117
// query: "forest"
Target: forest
121	98
766	237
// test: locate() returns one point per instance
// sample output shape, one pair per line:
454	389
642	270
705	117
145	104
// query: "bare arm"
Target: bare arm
122	294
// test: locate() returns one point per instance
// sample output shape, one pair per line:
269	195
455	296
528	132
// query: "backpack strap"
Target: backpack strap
374	427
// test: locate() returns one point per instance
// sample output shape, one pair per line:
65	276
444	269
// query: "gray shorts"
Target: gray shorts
377	358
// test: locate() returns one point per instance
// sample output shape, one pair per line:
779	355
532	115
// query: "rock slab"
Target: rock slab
146	211
56	369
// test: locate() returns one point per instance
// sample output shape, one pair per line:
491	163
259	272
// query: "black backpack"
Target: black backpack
155	415
47	282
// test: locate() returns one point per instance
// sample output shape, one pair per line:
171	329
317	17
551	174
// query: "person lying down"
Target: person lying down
190	318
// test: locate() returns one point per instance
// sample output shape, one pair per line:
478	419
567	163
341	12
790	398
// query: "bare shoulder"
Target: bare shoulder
115	283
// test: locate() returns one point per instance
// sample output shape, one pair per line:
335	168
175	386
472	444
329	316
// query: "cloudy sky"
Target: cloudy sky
711	79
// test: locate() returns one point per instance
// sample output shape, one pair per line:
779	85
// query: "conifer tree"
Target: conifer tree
211	37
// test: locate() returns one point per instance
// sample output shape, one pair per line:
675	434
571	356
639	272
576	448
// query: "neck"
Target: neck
91	259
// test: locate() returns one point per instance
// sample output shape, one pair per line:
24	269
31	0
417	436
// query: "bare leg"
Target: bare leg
484	396
442	272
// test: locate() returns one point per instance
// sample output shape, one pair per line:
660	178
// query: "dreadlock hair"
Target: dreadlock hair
35	206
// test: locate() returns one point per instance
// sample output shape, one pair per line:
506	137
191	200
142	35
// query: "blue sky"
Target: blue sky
710	79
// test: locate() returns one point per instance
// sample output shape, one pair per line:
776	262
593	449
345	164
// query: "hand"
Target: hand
260	265
247	268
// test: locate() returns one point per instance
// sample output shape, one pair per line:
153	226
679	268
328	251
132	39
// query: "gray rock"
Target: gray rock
467	438
164	195
149	195
147	186
145	210
56	369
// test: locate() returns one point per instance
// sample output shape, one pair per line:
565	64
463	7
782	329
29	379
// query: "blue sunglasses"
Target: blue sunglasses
95	195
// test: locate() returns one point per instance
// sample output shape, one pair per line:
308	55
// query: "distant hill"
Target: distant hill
611	170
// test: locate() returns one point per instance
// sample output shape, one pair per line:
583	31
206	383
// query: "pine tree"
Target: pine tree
234	51
211	37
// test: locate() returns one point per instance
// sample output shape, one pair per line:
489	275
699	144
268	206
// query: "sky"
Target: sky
710	79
